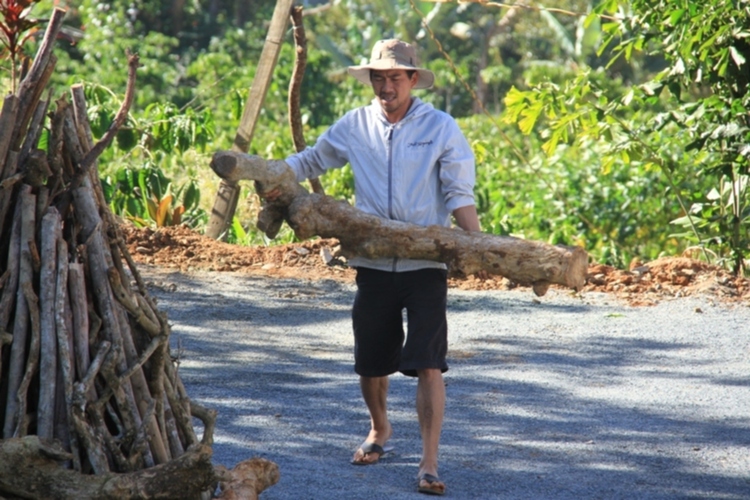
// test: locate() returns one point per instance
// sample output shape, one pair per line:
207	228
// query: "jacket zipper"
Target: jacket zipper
390	183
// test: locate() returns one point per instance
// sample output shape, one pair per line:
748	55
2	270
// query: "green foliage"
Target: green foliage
708	83
136	184
691	117
146	197
16	28
604	151
567	199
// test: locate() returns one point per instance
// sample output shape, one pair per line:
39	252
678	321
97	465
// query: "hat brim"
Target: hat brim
362	73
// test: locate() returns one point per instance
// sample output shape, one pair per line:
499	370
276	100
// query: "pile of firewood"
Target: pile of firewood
91	404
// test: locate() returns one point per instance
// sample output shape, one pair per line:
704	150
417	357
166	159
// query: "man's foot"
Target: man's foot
369	453
373	448
427	483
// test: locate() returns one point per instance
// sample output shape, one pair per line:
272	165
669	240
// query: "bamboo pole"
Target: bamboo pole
20	324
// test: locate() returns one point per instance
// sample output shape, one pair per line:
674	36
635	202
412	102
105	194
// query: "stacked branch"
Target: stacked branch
85	365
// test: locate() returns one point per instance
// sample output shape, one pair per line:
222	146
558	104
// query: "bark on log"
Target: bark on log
309	214
29	468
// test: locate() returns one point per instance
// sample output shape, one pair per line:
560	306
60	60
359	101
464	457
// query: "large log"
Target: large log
310	214
29	468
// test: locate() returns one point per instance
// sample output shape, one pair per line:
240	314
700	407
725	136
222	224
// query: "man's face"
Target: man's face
393	89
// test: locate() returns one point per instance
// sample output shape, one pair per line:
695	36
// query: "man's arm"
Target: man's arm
466	218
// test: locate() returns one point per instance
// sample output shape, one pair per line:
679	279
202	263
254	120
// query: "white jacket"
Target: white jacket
418	170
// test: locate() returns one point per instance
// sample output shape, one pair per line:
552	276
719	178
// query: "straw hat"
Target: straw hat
393	54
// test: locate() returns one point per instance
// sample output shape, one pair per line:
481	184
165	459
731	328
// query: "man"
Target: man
411	163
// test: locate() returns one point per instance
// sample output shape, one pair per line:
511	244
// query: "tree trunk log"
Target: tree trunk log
523	261
29	468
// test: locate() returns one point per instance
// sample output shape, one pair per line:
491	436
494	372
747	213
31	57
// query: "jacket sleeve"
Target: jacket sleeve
330	151
457	169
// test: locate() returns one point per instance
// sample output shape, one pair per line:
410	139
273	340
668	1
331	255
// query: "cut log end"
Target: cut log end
225	166
247	479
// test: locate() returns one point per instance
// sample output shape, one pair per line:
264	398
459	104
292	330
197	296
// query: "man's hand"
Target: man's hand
467	219
271	195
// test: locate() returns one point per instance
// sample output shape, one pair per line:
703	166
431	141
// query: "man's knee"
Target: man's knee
429	374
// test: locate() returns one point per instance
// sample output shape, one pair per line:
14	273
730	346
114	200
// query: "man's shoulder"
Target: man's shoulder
427	110
359	113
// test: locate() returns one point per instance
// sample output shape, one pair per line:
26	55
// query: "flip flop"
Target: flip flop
433	485
372	447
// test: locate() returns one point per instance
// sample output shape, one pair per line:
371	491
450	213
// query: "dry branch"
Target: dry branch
360	234
36	79
295	86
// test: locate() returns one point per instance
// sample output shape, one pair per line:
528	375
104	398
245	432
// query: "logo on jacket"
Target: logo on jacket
419	144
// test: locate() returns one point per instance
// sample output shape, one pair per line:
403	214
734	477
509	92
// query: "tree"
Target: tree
690	120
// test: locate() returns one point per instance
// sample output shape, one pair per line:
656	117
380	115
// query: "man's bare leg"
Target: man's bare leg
430	410
375	394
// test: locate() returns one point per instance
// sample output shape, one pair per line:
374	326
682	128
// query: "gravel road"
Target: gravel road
561	397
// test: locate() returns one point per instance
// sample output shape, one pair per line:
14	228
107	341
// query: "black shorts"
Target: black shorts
379	347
